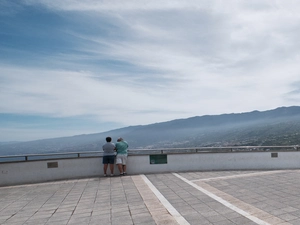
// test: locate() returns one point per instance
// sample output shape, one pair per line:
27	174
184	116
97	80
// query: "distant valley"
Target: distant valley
280	126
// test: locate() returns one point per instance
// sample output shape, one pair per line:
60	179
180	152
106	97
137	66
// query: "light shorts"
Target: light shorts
121	159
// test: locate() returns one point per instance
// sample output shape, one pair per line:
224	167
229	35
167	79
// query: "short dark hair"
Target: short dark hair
108	139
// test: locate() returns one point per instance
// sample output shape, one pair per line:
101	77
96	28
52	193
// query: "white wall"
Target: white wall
37	171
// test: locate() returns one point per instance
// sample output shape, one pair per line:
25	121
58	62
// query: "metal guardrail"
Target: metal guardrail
88	154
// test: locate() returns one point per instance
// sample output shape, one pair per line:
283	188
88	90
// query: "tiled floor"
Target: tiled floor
217	197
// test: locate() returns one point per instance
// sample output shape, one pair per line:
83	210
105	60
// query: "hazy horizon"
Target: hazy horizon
80	134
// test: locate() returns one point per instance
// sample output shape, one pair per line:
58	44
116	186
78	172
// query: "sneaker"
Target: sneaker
105	175
121	174
124	173
112	175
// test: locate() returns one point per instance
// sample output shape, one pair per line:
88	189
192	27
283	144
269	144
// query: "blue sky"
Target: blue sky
77	67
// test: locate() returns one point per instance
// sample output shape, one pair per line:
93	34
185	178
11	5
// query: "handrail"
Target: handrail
68	155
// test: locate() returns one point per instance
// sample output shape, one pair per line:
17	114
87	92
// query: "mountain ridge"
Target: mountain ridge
279	126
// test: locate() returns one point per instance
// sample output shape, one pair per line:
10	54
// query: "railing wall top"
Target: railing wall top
68	155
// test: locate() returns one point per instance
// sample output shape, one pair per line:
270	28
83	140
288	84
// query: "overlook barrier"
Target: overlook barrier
33	168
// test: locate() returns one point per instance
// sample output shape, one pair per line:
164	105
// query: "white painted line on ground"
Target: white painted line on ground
241	175
224	202
177	216
157	210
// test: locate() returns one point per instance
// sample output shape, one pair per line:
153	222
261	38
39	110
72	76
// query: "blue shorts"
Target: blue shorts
108	159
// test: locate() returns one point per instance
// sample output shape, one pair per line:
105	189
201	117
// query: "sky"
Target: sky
78	67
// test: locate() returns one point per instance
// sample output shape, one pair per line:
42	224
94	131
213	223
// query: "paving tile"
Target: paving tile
295	222
121	214
122	220
97	212
217	218
35	221
225	222
118	201
138	210
82	220
81	215
240	220
143	220
101	222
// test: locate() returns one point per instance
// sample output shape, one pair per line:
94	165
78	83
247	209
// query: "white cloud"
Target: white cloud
65	94
170	59
119	5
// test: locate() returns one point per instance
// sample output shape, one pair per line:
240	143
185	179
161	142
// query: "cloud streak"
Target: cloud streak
135	62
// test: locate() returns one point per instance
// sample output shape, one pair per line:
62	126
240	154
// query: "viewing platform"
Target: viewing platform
162	193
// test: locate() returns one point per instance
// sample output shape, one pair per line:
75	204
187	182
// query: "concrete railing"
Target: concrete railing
42	168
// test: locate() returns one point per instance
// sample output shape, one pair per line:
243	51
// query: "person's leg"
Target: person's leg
119	164
111	162
111	168
105	164
105	168
120	167
124	162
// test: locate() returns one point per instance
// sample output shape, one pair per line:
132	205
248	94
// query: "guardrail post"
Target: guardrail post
26	158
78	155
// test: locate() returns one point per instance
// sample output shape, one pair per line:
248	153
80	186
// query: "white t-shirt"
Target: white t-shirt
108	148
